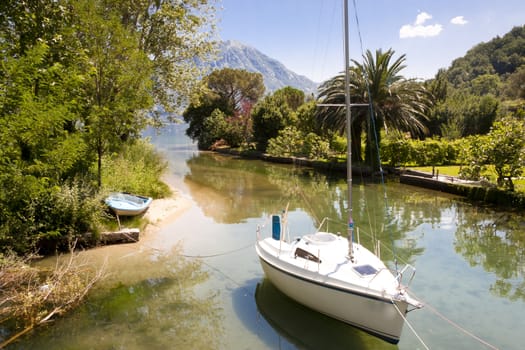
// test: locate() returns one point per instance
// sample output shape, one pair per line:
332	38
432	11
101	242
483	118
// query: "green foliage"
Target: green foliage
499	57
398	103
289	142
307	118
506	150
136	169
77	79
232	92
239	88
395	149
515	87
463	114
338	144
293	97
503	148
399	150
269	116
315	147
473	157
38	217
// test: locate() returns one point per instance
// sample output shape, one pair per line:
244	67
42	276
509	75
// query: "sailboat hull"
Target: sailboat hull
374	312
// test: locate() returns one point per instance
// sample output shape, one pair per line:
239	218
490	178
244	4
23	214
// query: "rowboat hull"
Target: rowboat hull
123	204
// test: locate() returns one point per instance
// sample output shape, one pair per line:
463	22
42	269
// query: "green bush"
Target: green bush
137	169
288	143
397	150
314	147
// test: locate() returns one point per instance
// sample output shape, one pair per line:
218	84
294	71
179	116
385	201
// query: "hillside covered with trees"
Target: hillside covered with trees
470	114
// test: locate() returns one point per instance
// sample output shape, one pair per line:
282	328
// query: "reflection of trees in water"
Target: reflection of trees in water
153	308
496	242
232	190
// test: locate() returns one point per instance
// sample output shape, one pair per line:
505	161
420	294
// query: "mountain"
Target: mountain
233	54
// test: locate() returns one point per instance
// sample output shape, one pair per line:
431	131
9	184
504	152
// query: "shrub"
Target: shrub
288	143
315	147
137	169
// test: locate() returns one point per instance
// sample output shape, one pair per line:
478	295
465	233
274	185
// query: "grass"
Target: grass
453	170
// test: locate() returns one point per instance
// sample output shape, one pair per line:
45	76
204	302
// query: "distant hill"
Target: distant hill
233	54
502	57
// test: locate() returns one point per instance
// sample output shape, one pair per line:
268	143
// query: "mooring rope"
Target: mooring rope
457	326
217	254
410	326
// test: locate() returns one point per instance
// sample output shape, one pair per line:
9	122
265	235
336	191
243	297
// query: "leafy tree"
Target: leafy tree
76	79
463	114
118	86
175	35
233	92
237	87
293	97
503	147
271	115
515	88
486	84
38	153
289	142
307	118
473	156
506	149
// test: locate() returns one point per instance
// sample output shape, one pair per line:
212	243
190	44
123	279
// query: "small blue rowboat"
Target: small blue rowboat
124	204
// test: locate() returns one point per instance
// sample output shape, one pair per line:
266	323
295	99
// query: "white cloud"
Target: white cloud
459	20
421	18
418	29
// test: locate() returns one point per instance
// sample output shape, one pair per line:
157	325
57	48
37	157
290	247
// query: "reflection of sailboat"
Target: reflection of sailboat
334	275
306	328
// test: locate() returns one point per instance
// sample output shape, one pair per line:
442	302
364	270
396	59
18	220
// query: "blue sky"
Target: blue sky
306	35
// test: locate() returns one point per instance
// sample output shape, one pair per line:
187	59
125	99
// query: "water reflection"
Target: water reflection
307	329
232	190
152	305
496	242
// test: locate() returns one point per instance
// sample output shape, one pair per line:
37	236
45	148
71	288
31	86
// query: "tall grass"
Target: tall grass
137	169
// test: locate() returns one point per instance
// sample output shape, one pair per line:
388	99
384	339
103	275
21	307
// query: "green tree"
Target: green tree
175	35
397	103
233	92
118	84
463	114
506	149
75	81
272	114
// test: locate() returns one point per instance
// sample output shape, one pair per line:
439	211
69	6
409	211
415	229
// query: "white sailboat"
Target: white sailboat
334	275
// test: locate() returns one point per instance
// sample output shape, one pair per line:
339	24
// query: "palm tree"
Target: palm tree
396	102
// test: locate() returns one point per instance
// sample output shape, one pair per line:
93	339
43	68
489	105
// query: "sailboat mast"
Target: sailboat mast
350	230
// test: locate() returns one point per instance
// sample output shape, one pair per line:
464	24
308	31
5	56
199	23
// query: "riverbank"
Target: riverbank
473	191
163	212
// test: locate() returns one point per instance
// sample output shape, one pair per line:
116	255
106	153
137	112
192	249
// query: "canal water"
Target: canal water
197	284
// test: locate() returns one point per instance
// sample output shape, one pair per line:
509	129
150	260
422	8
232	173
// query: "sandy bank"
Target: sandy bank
163	212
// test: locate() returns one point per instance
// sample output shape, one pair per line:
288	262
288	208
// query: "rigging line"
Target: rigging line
370	235
372	121
409	325
321	51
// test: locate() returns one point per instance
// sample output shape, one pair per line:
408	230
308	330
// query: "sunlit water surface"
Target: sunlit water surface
198	284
